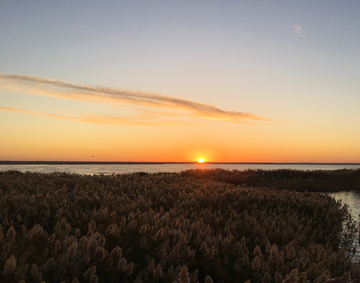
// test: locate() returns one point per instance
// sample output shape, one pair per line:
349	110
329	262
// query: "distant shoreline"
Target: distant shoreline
160	163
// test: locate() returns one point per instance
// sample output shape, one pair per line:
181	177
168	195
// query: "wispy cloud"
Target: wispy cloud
299	30
86	93
99	119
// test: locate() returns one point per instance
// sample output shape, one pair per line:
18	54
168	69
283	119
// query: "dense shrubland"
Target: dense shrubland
64	227
299	180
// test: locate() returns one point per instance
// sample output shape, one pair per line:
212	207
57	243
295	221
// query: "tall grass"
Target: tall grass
62	227
299	180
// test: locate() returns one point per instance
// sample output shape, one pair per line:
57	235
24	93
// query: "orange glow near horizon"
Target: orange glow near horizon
184	96
38	138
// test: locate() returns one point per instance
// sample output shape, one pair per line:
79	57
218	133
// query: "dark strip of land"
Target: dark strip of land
288	179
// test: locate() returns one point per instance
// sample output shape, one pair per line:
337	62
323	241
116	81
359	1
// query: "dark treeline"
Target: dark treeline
63	227
299	180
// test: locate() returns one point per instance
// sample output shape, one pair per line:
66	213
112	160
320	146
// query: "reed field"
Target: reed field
299	180
188	227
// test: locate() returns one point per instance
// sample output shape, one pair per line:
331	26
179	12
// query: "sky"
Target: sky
176	81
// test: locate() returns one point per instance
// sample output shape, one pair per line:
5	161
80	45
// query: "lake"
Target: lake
165	167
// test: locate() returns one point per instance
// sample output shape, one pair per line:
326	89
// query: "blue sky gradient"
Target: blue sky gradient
294	63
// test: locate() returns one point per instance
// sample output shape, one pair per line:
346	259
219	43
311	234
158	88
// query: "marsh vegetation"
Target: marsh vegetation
176	227
299	180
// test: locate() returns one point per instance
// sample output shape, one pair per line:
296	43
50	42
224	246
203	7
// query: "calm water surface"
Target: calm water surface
155	168
352	198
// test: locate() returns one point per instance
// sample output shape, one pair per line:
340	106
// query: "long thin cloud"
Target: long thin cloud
97	119
65	90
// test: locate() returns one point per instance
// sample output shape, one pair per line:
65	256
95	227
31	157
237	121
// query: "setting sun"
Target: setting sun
201	160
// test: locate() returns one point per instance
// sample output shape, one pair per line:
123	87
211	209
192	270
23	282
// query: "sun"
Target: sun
201	160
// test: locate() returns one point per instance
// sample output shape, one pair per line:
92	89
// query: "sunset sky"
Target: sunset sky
226	81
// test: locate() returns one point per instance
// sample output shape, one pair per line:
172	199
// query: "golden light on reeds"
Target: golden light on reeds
184	227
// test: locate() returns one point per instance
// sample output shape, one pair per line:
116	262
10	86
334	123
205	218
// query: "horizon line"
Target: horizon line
9	162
